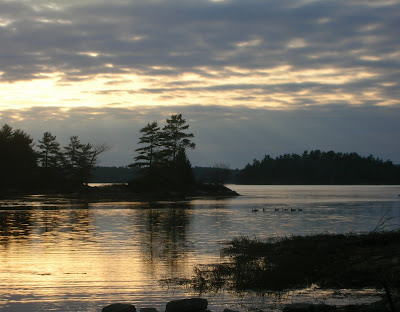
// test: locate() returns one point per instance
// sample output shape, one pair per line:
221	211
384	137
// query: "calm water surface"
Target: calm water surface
58	255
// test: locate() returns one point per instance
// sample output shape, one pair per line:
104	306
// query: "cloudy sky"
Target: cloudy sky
251	77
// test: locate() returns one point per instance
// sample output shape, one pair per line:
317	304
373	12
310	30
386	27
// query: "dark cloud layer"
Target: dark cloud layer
231	135
183	36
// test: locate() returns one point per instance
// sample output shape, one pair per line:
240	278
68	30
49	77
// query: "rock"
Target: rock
119	307
308	307
187	305
229	310
148	310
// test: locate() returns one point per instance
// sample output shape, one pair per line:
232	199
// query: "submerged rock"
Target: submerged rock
119	307
187	305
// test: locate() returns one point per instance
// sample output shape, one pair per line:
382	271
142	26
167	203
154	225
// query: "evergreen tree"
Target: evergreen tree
175	139
72	152
81	158
50	151
163	157
183	170
149	155
17	158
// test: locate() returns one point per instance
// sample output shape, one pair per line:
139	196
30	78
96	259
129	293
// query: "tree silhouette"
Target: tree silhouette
81	158
17	158
50	151
163	158
149	155
317	167
175	139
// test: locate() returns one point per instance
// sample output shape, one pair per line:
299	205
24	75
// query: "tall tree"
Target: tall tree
81	158
50	151
17	158
175	139
149	154
72	152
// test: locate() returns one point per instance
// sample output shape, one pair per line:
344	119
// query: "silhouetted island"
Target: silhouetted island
125	192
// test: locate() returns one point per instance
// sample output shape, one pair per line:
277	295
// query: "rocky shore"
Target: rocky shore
116	192
201	305
121	191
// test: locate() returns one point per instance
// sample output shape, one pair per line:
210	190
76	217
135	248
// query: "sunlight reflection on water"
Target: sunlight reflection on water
58	255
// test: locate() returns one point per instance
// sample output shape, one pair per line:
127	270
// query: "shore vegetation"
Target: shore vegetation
335	261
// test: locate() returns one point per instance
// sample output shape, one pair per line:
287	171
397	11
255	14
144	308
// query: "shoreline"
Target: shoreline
115	192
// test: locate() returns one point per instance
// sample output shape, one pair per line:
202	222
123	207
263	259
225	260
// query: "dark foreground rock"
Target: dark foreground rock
200	305
119	307
187	305
308	307
182	305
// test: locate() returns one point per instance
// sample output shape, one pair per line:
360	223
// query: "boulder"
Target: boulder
308	307
229	310
119	307
187	305
148	310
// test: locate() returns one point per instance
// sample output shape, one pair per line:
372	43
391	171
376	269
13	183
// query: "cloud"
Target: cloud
174	51
80	38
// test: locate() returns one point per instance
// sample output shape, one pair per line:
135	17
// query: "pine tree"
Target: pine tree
81	158
72	152
50	151
149	155
175	139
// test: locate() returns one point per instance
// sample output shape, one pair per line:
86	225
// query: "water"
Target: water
58	255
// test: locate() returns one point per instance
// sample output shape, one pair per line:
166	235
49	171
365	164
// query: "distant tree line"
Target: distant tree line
48	165
316	167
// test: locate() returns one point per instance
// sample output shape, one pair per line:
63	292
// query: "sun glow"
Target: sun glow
281	86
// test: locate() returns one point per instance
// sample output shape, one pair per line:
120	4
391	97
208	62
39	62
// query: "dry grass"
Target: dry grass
331	261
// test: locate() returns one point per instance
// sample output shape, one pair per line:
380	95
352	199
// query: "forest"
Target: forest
318	167
24	166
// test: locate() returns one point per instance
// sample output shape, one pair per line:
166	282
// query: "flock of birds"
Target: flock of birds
277	209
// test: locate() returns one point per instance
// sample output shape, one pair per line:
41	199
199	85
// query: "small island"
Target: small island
161	168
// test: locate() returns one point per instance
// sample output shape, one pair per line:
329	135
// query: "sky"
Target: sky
251	77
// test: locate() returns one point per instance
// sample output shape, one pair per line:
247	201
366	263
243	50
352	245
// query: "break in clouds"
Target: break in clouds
273	53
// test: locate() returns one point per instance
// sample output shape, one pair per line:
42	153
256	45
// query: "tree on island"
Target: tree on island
149	154
174	139
163	157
